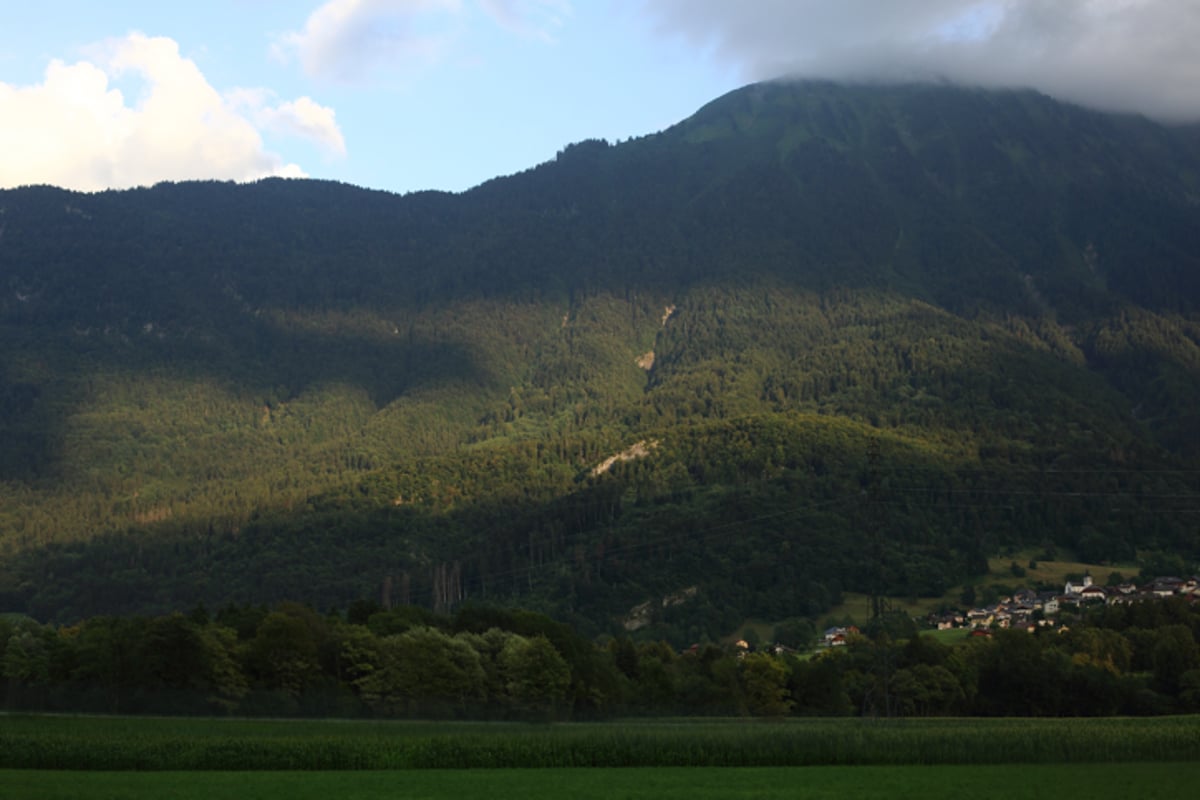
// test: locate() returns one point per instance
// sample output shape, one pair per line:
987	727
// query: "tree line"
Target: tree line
493	663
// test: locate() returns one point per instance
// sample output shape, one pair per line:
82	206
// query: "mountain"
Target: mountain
814	338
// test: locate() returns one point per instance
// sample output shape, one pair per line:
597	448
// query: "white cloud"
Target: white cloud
303	117
1121	55
531	18
77	131
346	39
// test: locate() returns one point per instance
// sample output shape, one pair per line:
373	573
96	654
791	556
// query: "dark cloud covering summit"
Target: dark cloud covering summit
1117	55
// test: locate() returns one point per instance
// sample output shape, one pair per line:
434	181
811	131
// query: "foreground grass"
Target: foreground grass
152	744
1027	782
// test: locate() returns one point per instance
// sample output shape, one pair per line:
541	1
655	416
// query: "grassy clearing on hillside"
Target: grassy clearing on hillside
1028	782
144	744
1053	572
858	606
951	636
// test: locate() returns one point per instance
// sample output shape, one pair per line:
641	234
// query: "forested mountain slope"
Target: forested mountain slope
865	337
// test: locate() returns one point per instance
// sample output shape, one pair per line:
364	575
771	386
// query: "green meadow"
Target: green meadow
47	756
1002	782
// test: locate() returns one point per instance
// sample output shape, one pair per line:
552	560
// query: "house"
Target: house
1072	589
1166	586
1049	602
947	622
1025	597
1118	597
1022	610
981	617
838	636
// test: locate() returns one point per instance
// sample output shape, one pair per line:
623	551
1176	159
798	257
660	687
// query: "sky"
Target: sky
405	95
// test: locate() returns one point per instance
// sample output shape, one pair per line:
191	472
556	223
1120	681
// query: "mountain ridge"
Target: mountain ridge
231	372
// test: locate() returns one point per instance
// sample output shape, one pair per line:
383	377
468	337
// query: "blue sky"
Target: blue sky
405	95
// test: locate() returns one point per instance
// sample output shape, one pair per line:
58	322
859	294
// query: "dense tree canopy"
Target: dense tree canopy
296	662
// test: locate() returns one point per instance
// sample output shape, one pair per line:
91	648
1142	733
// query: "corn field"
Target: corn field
114	743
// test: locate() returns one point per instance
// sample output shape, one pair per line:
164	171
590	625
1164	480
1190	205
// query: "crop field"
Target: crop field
43	757
173	744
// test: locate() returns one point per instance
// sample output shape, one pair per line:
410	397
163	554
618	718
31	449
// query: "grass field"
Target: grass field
1053	572
858	606
1026	782
45	756
950	636
166	744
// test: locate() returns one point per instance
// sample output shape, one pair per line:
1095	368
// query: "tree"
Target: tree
489	645
625	656
424	671
106	652
357	652
924	649
1189	691
174	655
27	657
28	664
1175	653
926	691
1105	649
536	676
226	682
796	632
657	686
765	683
283	654
1018	674
817	687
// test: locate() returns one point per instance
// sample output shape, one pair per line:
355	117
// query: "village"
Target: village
1028	609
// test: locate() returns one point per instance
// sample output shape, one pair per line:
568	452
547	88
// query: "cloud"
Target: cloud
1118	55
530	18
347	39
76	130
302	117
